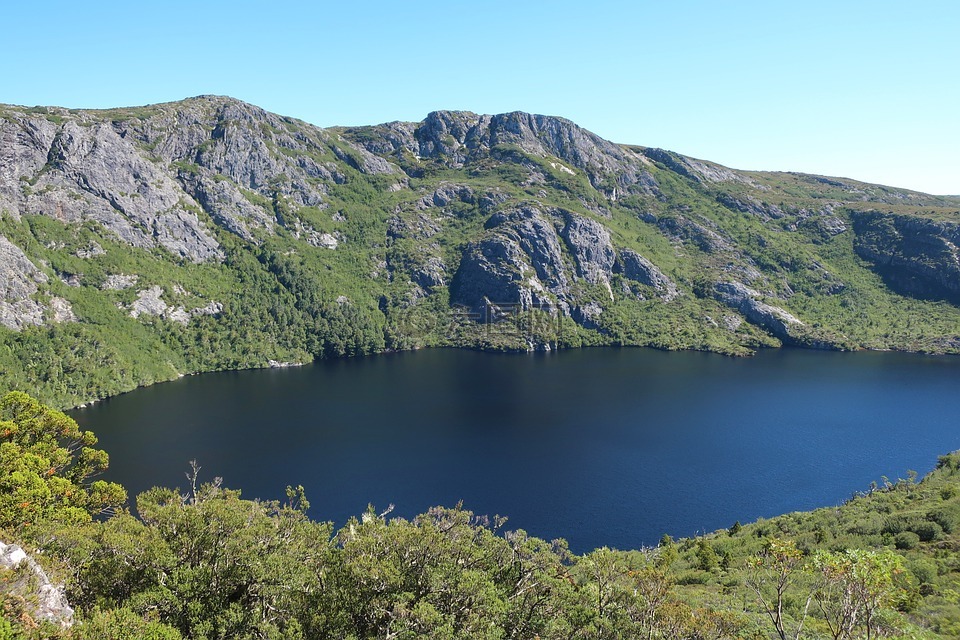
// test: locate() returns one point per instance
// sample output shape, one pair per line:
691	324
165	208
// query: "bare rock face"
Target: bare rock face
589	242
746	300
119	281
536	235
917	256
150	302
457	137
18	282
148	174
45	600
128	194
523	261
637	268
751	205
697	170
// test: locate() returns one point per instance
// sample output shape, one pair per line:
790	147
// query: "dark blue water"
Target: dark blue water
602	447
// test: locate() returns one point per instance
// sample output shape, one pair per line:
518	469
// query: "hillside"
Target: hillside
140	244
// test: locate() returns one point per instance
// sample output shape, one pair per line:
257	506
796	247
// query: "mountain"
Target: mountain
141	244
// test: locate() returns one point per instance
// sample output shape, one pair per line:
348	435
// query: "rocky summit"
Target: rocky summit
140	244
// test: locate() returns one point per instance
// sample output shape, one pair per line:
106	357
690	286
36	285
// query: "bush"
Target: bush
123	624
924	570
947	516
907	540
928	531
902	522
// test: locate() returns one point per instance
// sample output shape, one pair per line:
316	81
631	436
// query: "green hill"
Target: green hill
141	244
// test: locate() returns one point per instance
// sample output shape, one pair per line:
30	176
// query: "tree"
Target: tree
775	571
46	467
857	585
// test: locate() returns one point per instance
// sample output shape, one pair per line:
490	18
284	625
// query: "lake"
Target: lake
599	446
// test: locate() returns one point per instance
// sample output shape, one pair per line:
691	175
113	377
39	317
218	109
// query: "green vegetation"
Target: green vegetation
205	563
793	238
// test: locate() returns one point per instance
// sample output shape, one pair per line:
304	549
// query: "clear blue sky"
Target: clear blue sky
868	90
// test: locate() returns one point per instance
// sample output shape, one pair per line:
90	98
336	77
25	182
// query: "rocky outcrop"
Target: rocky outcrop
589	242
495	277
681	228
119	281
697	170
917	256
146	174
637	268
535	233
738	296
445	194
751	205
20	282
42	600
524	262
150	302
458	137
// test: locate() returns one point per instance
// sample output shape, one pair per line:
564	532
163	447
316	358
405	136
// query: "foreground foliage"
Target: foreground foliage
206	563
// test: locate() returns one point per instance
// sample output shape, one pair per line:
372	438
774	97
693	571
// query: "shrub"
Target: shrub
907	540
947	516
928	531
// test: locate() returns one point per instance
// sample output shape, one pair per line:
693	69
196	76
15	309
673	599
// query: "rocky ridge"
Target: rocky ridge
101	210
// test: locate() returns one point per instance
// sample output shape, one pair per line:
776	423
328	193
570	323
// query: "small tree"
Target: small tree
857	585
775	571
46	467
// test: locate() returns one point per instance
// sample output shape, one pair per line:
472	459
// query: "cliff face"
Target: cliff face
918	256
216	216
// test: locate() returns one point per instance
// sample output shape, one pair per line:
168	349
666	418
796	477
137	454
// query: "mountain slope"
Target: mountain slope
141	244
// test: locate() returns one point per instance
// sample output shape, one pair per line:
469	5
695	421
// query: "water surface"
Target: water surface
599	446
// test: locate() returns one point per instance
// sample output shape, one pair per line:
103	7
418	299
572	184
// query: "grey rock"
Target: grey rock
277	364
683	228
731	323
445	194
144	176
738	296
432	273
751	205
589	242
536	235
116	282
61	310
494	275
457	137
833	225
637	268
419	226
588	314
698	170
91	251
19	280
918	256
364	161
45	600
149	302
325	240
228	207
